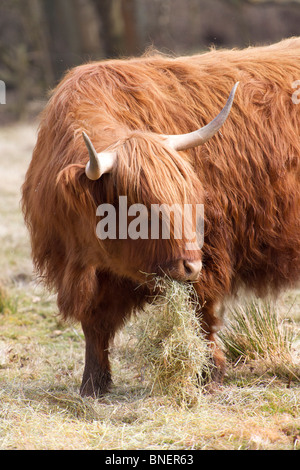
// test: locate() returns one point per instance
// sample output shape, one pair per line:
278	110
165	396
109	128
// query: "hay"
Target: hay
171	347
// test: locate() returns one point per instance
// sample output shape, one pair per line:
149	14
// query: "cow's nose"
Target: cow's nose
192	269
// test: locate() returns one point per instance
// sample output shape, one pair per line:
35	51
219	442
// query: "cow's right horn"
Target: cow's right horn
199	137
99	163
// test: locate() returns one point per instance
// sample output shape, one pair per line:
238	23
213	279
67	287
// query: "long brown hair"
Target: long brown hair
247	176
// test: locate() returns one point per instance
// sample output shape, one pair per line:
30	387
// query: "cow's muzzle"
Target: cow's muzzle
183	269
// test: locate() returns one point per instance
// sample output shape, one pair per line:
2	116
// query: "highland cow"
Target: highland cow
129	128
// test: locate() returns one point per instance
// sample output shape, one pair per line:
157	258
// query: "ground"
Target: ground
42	359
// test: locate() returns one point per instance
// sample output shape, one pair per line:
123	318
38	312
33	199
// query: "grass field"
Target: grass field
42	359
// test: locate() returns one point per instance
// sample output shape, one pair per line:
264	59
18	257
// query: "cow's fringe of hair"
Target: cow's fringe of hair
143	155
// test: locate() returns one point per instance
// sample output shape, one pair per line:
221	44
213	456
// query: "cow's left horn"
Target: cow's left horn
193	139
99	163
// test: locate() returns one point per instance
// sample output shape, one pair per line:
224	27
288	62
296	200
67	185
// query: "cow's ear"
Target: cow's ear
74	191
70	174
72	179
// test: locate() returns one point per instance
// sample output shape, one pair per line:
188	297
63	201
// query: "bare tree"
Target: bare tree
118	26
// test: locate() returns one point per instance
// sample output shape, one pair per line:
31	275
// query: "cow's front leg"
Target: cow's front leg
96	376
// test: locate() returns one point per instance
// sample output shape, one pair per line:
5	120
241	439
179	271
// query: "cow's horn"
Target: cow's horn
193	139
99	163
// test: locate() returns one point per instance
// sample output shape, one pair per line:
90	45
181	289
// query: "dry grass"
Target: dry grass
256	333
41	363
171	346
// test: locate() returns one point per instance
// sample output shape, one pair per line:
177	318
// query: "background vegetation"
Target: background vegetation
41	359
41	39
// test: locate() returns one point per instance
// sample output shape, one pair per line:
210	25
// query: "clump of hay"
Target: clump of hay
171	346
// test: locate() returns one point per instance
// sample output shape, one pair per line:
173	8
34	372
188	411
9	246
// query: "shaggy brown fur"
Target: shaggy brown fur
247	176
